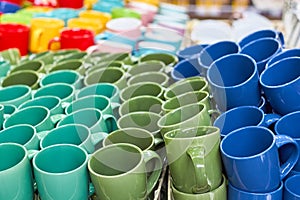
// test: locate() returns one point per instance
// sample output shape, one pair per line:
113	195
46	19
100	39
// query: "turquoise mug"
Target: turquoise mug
63	76
15	94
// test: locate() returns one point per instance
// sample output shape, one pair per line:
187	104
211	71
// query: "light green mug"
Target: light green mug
99	102
105	64
65	92
15	172
136	136
23	77
53	103
219	193
76	134
63	76
34	65
37	116
156	77
187	85
47	57
168	59
195	149
92	118
60	172
15	94
146	66
12	55
186	99
23	134
80	55
119	172
141	103
112	75
141	89
75	64
184	117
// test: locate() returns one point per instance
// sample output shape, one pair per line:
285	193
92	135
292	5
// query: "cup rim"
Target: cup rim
21	106
282	119
282	55
113	146
242	40
94	88
19	97
54	85
297	176
21	72
53	73
18	126
156	73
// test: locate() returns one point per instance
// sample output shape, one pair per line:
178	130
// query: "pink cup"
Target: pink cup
126	27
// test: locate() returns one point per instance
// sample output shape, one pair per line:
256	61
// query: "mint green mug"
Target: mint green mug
60	172
63	76
119	172
76	134
16	172
92	118
15	94
195	149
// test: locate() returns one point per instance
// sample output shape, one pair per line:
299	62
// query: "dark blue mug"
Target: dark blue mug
291	188
289	125
237	194
215	51
233	81
185	69
265	33
243	116
251	159
280	84
7	7
262	50
282	55
190	52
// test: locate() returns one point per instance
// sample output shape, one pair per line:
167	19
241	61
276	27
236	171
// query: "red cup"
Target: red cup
70	3
14	36
74	38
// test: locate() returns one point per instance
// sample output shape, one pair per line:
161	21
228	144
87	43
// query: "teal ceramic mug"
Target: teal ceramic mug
60	172
92	118
76	134
119	172
16	172
15	94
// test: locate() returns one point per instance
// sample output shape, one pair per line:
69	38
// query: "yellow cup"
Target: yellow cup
95	15
85	23
42	30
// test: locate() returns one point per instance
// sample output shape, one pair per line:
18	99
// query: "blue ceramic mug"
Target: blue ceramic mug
251	159
243	116
262	50
190	52
265	33
185	69
237	194
280	84
215	51
232	85
291	188
295	52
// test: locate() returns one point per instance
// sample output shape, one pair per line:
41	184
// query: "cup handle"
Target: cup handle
97	137
32	153
270	119
42	134
151	156
56	118
197	156
54	40
286	167
36	37
281	38
110	122
115	105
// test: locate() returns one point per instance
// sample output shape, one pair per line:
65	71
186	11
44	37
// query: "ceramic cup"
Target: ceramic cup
257	146
195	150
146	66
290	188
185	69
15	94
156	77
294	52
72	64
33	65
23	77
124	166
190	51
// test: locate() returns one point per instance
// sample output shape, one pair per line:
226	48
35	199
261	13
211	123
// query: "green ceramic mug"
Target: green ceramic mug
136	136
147	66
76	134
99	102
75	64
141	89
23	134
15	94
186	99
11	55
46	57
186	85
106	89
92	118
119	172
156	77
141	103
168	59
37	116
34	65
53	103
81	55
142	120
61	53
63	76
195	149
60	172
219	193
16	172
65	92
24	77
185	117
105	64
112	75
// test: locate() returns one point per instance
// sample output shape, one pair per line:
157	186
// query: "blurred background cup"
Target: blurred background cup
17	18
14	36
102	17
74	38
86	23
9	7
42	30
77	4
191	51
290	188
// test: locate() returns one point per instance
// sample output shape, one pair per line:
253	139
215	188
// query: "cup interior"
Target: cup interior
105	89
49	102
13	92
11	155
106	75
87	117
287	125
291	185
99	102
59	90
26	77
20	134
140	89
61	76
